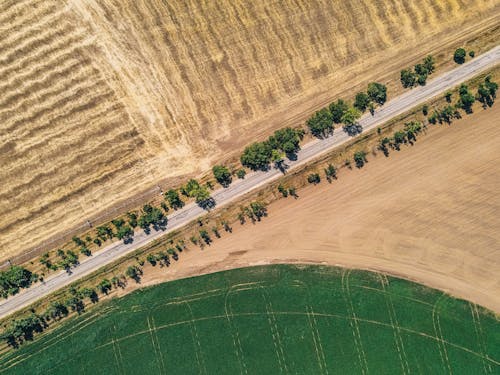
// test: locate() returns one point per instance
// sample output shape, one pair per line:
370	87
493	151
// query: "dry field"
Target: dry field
101	100
428	213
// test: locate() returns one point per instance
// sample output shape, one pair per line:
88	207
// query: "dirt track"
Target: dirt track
428	213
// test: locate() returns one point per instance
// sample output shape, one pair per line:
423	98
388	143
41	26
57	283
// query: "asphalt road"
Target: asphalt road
254	180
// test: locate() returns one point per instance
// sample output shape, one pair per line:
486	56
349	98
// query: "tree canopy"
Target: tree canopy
222	175
377	92
321	123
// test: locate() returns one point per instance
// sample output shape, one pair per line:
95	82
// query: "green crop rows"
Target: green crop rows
272	320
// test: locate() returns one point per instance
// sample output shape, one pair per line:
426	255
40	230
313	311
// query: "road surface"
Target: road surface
252	181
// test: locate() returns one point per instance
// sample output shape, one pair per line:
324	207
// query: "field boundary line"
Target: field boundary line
441	344
479	333
354	321
396	329
196	340
271	319
156	343
320	354
338	316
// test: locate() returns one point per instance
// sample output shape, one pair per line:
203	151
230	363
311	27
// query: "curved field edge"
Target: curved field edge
299	319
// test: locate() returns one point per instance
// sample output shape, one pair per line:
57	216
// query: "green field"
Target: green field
272	320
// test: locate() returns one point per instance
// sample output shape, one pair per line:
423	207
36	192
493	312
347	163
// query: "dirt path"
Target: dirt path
429	213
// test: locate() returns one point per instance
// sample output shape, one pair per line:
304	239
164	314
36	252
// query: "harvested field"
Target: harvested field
428	212
271	320
102	99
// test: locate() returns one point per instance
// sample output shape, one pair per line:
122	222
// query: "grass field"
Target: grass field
104	99
271	320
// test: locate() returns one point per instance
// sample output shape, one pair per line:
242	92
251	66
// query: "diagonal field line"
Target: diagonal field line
346	293
439	333
338	316
396	330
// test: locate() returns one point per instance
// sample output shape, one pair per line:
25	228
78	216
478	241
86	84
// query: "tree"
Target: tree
278	158
85	251
132	219
337	110
56	310
118	223
258	209
399	137
15	278
222	175
472	54
321	123
104	232
241	173
466	99
425	109
447	96
283	190
429	64
286	140
125	232
408	78
360	158
491	86
133	272
383	143
78	241
330	172
174	200
361	101
151	259
314	178
377	92
257	156
104	286
205	236
351	116
421	70
459	55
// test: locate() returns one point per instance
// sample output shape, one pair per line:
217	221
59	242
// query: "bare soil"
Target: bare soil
428	213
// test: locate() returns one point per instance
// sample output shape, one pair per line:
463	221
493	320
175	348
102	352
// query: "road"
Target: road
254	180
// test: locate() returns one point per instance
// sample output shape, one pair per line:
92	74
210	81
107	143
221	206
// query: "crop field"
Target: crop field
271	320
101	100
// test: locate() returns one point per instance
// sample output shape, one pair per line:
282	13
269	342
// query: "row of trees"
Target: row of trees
418	75
283	142
321	124
486	95
14	279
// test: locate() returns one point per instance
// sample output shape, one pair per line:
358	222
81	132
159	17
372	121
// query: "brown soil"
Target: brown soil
427	213
103	99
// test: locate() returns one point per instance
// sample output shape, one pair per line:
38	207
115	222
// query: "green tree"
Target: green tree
351	116
104	286
241	173
174	200
425	109
377	92
466	99
286	140
459	55
408	78
321	123
447	96
125	232
257	156
314	178
330	172
472	54
361	101
429	64
133	272
222	175
360	158
337	110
